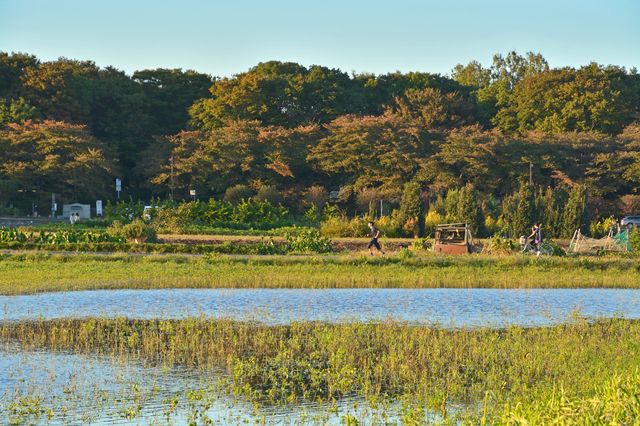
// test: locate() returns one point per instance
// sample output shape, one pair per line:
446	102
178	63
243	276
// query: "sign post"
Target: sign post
118	187
193	194
99	208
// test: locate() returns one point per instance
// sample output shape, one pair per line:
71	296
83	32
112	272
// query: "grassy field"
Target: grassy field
474	376
40	272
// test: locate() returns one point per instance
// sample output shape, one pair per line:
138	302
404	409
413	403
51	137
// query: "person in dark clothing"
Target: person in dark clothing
536	235
374	239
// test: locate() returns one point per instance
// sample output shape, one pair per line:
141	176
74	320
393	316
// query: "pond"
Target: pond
443	307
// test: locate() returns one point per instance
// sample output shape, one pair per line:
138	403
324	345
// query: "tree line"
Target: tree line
70	127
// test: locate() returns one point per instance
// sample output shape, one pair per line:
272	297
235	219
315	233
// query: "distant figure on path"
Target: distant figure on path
35	210
72	218
374	239
536	234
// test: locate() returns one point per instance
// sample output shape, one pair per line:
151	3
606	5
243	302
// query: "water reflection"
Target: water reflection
54	388
447	307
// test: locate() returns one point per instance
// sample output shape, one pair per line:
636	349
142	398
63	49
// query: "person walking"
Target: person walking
375	232
72	218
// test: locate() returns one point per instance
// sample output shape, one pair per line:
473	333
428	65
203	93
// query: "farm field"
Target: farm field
42	272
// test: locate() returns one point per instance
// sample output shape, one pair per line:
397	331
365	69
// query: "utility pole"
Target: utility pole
171	161
530	173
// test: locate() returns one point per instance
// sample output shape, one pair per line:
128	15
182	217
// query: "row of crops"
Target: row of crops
58	237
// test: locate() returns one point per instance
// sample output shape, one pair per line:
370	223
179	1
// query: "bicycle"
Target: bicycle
544	251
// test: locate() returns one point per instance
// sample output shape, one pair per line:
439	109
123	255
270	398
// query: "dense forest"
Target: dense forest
70	127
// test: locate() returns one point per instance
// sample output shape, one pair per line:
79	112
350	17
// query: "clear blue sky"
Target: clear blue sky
224	38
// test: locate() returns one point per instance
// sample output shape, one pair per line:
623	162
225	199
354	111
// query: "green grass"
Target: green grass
526	371
40	272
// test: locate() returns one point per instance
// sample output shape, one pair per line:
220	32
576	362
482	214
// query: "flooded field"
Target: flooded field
374	356
444	307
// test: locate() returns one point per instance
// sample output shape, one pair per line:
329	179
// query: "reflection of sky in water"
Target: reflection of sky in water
457	307
81	389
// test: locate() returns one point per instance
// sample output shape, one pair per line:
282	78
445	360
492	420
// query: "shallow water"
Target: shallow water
54	388
445	307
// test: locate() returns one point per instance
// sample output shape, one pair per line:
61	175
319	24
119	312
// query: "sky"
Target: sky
226	38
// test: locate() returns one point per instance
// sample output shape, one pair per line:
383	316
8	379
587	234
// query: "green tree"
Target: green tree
593	98
469	209
169	93
431	108
240	153
12	67
18	112
59	89
361	152
411	208
53	157
575	214
524	215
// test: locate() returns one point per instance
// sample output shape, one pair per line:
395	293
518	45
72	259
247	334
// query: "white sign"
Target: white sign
192	192
118	185
99	208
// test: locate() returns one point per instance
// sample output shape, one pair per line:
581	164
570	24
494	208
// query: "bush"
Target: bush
139	232
124	211
256	211
432	219
338	227
316	196
269	194
405	254
422	244
601	229
310	241
387	227
236	194
557	250
499	245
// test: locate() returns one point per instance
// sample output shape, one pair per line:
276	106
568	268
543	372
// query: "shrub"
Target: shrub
422	244
629	204
338	227
124	211
309	241
316	196
432	219
139	232
387	227
366	197
602	228
175	219
499	245
255	211
236	194
269	194
405	254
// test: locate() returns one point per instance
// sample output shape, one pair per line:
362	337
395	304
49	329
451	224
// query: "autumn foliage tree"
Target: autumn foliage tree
55	157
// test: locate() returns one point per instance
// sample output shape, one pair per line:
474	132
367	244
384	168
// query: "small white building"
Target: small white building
84	210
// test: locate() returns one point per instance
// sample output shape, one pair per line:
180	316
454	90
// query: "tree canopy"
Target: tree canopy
72	127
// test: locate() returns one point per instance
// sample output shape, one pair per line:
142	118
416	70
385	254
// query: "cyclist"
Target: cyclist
536	236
